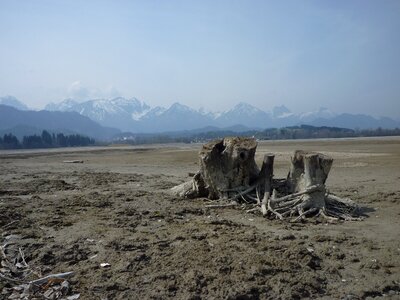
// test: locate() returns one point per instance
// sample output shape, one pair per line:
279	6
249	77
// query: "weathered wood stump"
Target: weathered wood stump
306	189
226	166
306	169
228	171
307	175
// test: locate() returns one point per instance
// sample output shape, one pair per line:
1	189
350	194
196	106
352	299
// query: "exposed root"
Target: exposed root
326	217
342	208
296	205
278	215
253	209
305	213
309	190
243	193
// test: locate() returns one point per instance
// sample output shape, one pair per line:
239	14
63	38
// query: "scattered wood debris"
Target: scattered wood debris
18	274
73	161
105	265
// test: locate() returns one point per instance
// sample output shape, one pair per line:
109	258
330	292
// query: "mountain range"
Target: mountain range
101	118
27	122
136	116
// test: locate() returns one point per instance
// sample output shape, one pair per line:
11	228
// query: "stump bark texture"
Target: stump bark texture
228	164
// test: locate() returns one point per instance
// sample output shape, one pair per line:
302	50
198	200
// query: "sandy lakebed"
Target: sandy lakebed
114	208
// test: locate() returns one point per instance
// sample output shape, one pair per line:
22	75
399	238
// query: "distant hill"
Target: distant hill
14	102
355	121
16	121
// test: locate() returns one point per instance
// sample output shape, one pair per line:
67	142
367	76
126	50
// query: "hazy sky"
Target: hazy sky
344	55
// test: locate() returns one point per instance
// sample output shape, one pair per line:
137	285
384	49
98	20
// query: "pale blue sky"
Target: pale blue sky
343	55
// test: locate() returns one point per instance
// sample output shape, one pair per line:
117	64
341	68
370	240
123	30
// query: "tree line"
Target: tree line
45	140
285	133
315	132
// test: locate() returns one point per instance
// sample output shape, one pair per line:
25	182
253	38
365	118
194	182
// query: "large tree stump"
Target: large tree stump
227	165
228	171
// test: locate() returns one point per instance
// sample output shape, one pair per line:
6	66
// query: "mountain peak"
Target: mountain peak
179	107
65	105
279	111
124	101
243	105
245	108
322	112
14	102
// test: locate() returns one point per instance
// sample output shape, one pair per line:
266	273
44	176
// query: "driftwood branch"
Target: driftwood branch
41	281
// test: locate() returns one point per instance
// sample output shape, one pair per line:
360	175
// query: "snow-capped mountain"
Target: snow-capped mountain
136	116
177	117
322	113
210	114
66	105
244	114
153	113
117	112
281	112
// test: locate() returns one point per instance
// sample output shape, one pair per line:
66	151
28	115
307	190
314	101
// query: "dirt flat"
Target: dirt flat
115	208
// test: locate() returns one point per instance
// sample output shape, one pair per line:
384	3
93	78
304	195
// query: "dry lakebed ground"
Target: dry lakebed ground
114	209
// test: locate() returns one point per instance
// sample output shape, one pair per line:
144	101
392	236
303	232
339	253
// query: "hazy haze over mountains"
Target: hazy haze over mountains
305	54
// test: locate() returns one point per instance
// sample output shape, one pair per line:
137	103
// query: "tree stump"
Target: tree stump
306	190
307	169
228	171
227	165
